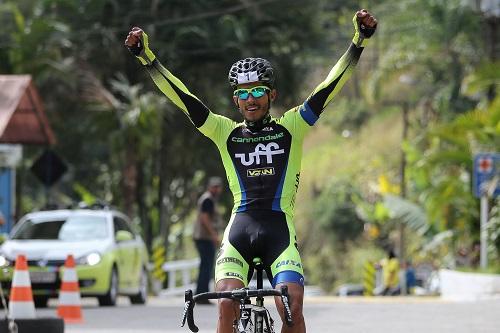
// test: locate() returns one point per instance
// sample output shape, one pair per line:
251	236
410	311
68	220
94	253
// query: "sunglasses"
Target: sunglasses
255	91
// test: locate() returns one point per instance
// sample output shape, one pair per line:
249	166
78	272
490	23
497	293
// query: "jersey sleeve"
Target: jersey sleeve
329	88
211	125
177	92
324	93
218	128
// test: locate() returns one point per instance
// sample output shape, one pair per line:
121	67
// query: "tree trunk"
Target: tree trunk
493	24
163	195
130	177
141	206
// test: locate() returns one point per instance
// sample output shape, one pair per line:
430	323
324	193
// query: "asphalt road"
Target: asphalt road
323	314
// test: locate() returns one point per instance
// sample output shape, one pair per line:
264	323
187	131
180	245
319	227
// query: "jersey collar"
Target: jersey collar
257	125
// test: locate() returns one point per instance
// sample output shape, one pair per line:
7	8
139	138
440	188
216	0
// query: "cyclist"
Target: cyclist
262	157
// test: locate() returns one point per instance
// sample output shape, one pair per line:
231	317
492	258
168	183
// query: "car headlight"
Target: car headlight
90	259
4	262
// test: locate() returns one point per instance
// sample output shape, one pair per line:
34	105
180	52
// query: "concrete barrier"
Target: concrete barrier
468	286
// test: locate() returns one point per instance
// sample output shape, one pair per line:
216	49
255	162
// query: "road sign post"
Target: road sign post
10	157
486	185
484	232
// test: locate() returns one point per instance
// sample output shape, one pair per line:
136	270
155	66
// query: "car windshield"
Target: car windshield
73	228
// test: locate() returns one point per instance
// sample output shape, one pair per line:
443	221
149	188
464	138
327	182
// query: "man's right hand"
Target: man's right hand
134	37
137	43
365	25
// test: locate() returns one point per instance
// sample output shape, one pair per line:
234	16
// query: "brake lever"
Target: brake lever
188	311
286	305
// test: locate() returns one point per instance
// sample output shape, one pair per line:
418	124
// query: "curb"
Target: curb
46	325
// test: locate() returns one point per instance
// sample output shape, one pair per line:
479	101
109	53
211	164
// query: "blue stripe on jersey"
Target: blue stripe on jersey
243	202
288	276
307	114
277	196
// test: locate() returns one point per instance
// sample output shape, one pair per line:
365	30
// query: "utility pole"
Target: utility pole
402	173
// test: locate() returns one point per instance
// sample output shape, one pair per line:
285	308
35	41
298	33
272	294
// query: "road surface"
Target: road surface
323	314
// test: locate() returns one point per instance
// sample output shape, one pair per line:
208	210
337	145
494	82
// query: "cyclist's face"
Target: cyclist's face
253	108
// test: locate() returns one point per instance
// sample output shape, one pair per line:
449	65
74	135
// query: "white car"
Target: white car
111	259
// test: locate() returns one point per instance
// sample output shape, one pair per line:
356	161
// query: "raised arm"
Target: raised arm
364	25
171	86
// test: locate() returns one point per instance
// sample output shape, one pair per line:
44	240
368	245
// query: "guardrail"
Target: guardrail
185	267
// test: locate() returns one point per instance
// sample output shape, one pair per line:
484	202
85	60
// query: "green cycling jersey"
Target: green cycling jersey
262	167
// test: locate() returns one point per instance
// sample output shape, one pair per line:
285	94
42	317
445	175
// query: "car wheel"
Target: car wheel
141	297
110	298
6	302
40	301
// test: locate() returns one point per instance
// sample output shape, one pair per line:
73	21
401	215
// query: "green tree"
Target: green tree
434	53
441	170
335	210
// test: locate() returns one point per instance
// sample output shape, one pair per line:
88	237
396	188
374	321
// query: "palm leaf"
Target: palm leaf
438	240
407	212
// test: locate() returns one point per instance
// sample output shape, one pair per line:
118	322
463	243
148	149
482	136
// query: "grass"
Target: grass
492	269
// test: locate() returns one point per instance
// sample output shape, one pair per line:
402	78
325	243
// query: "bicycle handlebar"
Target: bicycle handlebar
237	294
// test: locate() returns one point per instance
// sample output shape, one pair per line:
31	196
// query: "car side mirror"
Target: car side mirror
123	236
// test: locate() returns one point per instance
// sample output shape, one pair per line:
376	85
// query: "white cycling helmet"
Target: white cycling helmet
250	70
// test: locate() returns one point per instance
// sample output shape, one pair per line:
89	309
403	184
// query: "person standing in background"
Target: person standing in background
390	271
205	233
410	277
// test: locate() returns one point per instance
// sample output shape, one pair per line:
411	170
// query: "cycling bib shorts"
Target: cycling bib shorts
263	234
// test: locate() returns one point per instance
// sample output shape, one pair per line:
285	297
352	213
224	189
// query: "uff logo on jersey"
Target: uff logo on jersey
261	150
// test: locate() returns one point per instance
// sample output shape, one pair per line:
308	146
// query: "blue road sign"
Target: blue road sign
6	196
486	167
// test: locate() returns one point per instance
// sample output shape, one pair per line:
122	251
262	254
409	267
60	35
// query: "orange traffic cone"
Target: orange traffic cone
21	304
69	307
